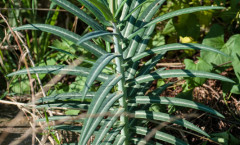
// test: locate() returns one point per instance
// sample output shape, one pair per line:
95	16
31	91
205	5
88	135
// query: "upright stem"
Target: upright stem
119	69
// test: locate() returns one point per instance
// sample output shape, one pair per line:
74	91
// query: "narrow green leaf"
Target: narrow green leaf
97	101
59	69
158	91
66	105
174	101
105	2
158	135
79	13
132	90
119	8
112	4
94	34
73	143
138	48
145	17
95	11
200	65
132	20
139	141
149	12
107	126
105	10
174	14
68	128
119	140
96	70
111	136
63	33
141	88
179	73
63	51
65	96
150	64
174	46
167	118
136	8
105	106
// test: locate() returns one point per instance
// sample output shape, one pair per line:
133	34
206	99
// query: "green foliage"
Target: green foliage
200	65
215	38
125	89
224	138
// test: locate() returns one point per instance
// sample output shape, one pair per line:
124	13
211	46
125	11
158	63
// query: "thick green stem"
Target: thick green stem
119	69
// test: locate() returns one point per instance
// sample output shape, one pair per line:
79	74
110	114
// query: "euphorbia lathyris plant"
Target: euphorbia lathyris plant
126	89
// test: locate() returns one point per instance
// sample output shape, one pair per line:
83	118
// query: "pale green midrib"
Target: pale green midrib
182	73
173	102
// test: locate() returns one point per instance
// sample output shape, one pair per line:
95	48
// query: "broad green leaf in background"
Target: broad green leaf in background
78	84
72	112
191	22
230	87
215	38
169	28
157	40
20	85
204	17
200	65
225	138
234	43
65	45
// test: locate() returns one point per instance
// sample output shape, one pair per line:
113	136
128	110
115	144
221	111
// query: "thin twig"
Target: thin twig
210	88
170	64
13	103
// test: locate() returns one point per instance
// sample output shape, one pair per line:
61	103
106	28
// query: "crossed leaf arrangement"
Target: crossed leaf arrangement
118	112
